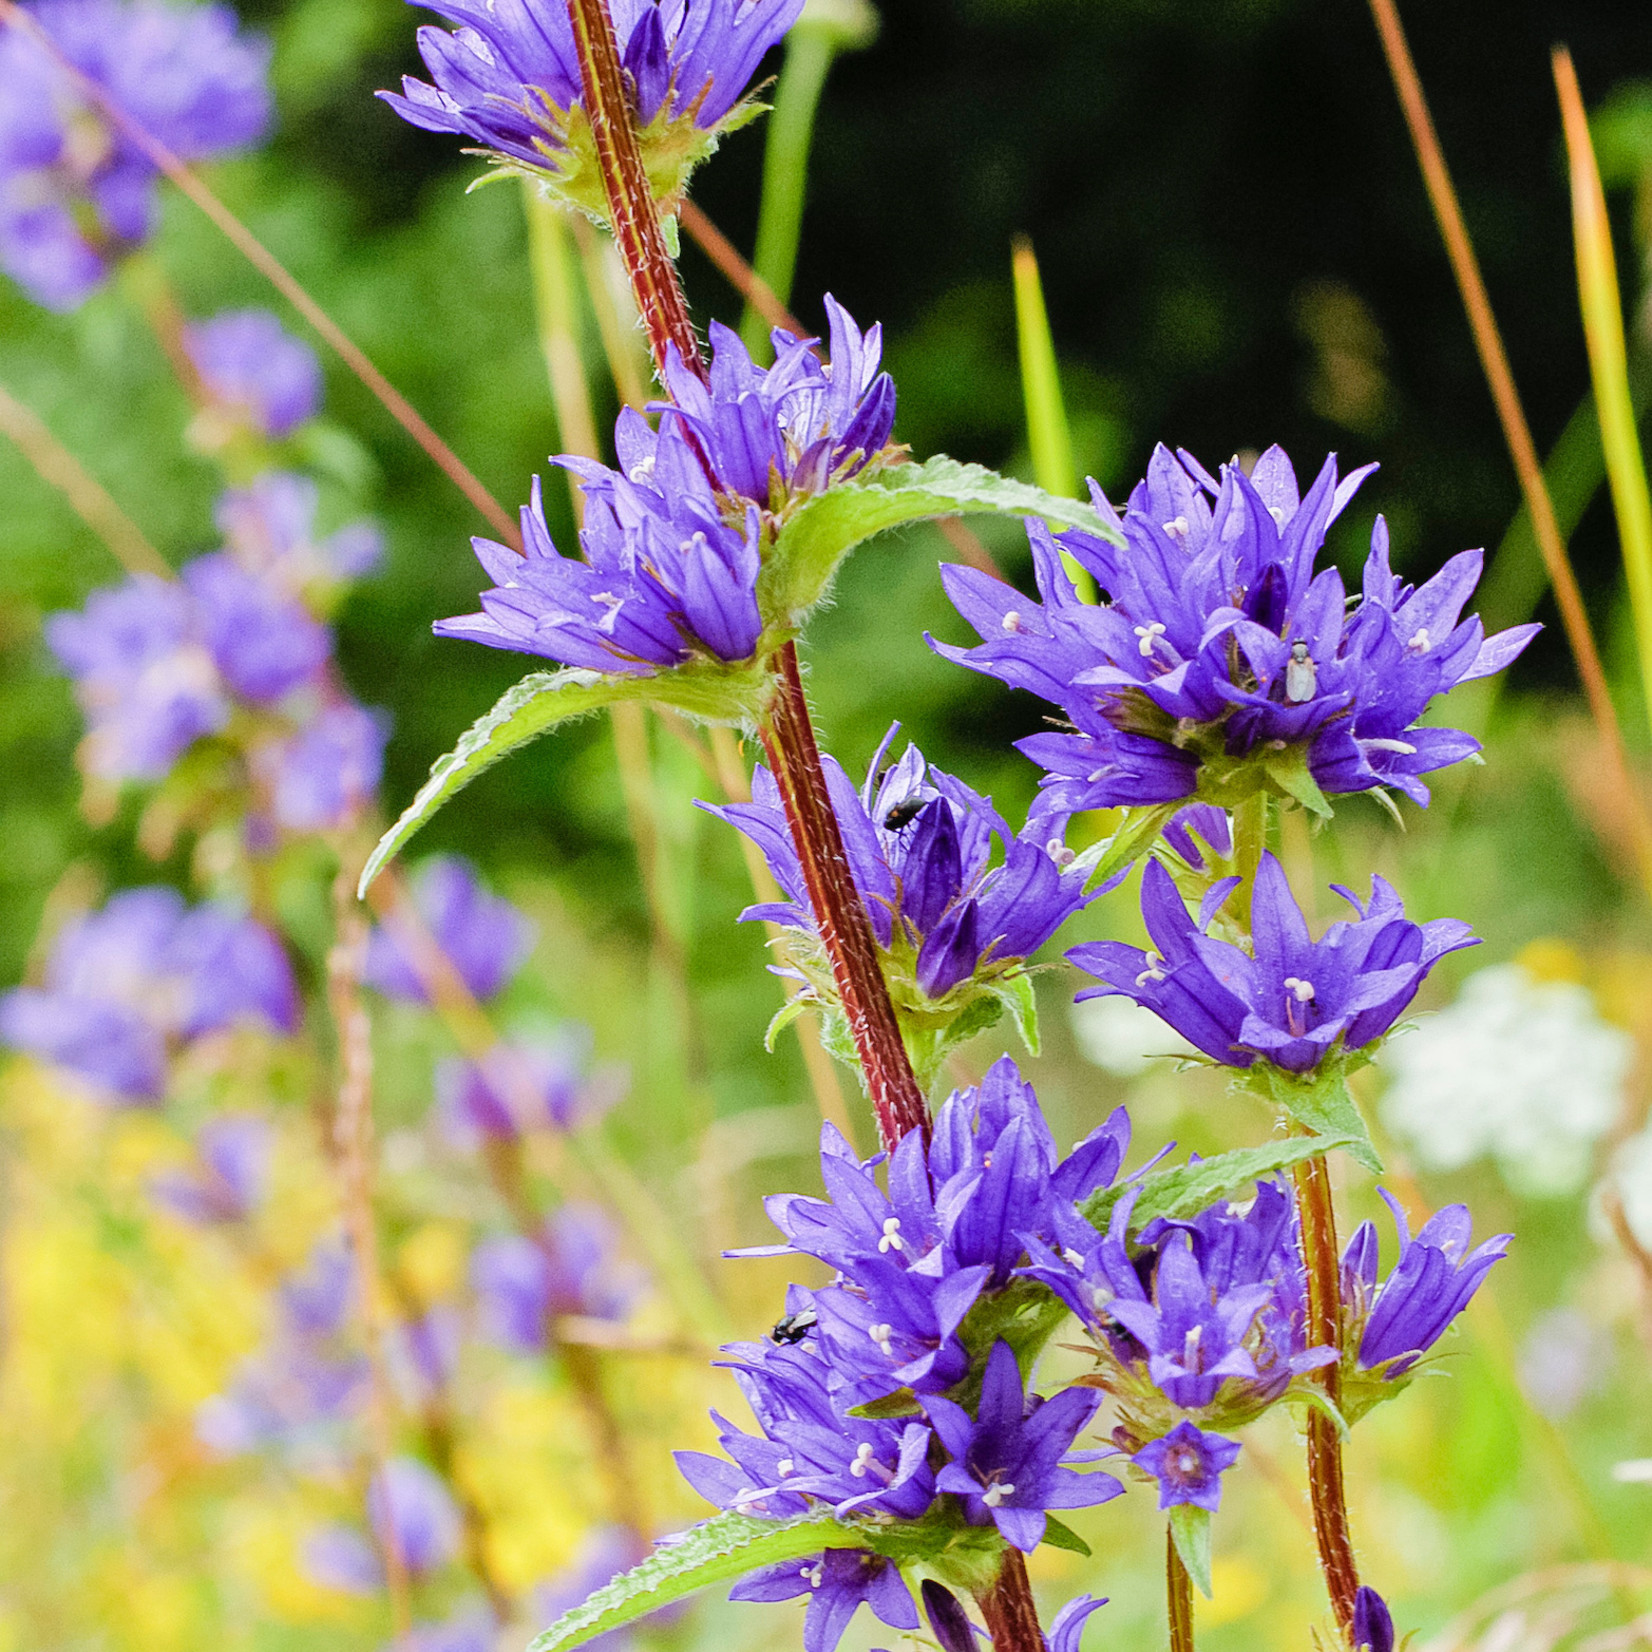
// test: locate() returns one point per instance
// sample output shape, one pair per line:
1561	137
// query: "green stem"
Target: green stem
1250	838
556	313
1178	1596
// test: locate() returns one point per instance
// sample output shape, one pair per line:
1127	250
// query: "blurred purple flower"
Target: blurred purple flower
73	191
343	1558
316	1301
523	1086
270	529
1189	1465
322	777
256	370
410	1506
263	642
523	1287
123	983
1434	1279
1218	640
837	1583
1296	999
429	1348
143	676
227	1182
470	1629
482	935
510	76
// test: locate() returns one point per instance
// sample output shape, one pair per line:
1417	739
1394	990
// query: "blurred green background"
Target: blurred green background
1236	250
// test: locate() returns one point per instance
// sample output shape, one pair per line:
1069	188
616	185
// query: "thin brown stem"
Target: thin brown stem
1010	1610
1178	1589
353	1138
274	271
1324	1329
840	915
632	212
84	494
1494	362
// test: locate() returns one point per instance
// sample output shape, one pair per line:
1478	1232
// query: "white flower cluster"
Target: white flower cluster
1518	1070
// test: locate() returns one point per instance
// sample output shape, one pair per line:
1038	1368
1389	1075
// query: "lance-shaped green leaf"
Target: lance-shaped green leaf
1190	1530
1322	1102
815	539
1187	1189
547	699
718	1550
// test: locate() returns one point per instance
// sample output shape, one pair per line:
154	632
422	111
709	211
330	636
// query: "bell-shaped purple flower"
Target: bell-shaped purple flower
1373	1626
320	778
775	433
264	643
665	578
1296	999
509	78
256	373
411	1507
482	935
924	851
73	190
1188	1464
1219	641
1433	1281
1006	1463
837	1583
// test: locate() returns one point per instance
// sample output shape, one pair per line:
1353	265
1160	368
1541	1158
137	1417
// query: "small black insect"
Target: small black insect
794	1327
903	814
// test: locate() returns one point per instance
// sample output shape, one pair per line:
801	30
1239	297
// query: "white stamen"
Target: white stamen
1072	1258
1149	635
1421	642
1186	1464
1178	526
1011	621
891	1239
881	1334
1152	972
995	1494
1060	853
1279	514
785	1467
1403	747
863	1457
813	1574
1190	1348
1302	991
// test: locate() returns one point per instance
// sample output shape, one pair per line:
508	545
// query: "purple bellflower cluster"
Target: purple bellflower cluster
1290	1000
674	539
75	194
130	986
1220	661
955	925
508	79
237	648
918	1262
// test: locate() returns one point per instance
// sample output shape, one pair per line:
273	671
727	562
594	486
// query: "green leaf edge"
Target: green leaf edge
726	1546
1190	1529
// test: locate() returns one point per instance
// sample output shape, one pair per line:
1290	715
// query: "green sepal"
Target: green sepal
1015	992
1060	1536
725	1547
1288	770
1190	1531
1025	1313
1135	836
1322	1101
902	1403
539	703
1187	1189
815	538
1311	1397
783	1018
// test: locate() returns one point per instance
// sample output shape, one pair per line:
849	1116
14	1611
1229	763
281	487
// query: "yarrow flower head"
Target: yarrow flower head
1221	663
675	538
74	192
509	80
1392	1324
144	977
954	922
1292	1001
257	375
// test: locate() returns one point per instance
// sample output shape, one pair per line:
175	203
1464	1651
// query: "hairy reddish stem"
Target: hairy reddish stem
1319	1247
840	914
631	209
1178	1597
1009	1608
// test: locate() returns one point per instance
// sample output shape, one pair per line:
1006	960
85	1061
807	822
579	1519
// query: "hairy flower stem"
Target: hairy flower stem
840	915
1319	1247
1009	1608
1178	1588
631	208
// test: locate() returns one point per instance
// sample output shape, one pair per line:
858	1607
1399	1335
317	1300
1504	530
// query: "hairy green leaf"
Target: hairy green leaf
1187	1189
1061	1536
725	1547
1289	771
815	540
1322	1101
1190	1527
